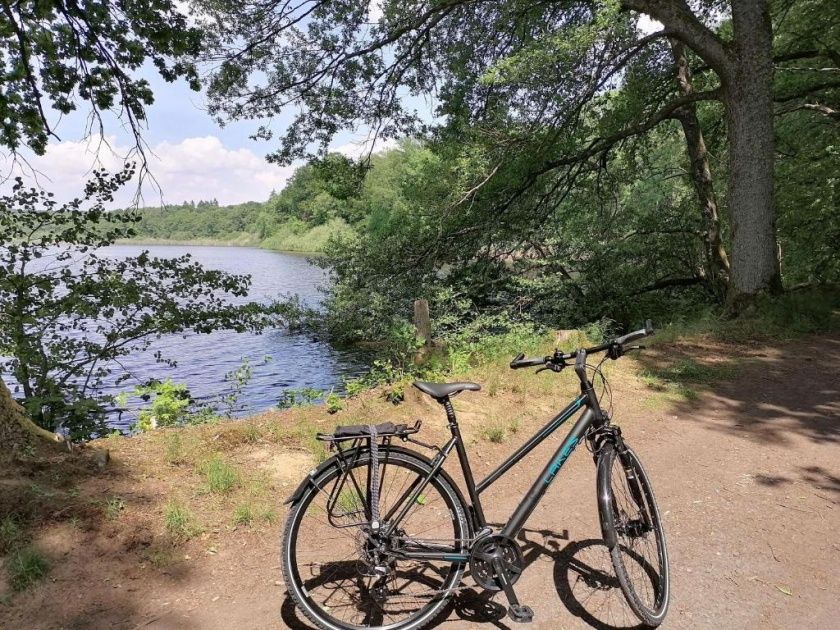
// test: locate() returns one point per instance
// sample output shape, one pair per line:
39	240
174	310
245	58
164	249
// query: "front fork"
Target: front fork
599	439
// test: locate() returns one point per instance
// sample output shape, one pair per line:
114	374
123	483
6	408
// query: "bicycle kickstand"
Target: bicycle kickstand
517	612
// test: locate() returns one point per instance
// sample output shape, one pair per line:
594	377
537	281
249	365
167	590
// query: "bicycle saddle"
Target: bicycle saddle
439	391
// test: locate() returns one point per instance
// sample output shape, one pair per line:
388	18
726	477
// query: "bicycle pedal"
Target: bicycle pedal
520	613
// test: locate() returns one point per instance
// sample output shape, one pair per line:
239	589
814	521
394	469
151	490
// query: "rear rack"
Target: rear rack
363	432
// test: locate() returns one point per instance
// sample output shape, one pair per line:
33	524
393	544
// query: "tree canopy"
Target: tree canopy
58	54
537	94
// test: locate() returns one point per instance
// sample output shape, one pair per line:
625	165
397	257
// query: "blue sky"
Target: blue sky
191	157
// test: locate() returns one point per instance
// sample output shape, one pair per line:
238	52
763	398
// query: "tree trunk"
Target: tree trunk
717	262
16	429
749	116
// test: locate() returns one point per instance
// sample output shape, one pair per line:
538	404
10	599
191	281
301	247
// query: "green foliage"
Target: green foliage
220	476
238	380
54	53
26	567
170	405
180	521
302	397
333	402
68	313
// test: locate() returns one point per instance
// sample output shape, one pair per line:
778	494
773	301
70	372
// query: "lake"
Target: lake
280	360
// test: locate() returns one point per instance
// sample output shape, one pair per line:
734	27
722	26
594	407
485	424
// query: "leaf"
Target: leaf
784	590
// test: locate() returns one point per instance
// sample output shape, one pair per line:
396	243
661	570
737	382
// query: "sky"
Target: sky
191	157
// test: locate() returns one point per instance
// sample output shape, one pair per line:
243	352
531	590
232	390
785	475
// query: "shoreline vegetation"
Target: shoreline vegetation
214	242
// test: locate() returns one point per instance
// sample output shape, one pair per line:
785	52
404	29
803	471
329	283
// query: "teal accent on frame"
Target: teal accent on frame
566	416
455	558
561	458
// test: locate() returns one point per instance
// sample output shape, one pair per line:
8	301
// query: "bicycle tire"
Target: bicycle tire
647	591
416	464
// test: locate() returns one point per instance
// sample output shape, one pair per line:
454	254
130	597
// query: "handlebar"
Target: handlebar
521	362
615	347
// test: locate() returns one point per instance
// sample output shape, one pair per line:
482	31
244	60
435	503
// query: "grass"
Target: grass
494	433
219	475
783	317
11	534
113	508
300	433
243	514
180	521
174	448
26	567
269	515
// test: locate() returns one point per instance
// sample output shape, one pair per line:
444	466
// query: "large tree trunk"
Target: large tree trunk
717	262
749	116
745	67
16	429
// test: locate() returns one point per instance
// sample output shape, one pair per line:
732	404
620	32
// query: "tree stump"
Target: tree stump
423	321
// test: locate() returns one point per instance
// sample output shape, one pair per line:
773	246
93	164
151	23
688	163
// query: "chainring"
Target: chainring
485	551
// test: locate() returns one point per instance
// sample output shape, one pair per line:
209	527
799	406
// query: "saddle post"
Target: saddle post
477	510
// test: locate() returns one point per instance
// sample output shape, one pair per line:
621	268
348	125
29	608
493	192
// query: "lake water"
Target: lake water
296	361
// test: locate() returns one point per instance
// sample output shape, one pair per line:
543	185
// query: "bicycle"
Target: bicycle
379	536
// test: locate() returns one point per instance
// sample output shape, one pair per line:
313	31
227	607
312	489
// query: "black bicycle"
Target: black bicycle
379	536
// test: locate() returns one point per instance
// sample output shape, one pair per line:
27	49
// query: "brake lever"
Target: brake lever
554	367
630	348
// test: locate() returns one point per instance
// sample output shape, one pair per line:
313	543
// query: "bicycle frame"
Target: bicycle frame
592	415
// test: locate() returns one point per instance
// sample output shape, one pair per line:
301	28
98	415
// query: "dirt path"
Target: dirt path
747	476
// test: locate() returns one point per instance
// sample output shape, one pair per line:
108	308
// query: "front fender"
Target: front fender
605	507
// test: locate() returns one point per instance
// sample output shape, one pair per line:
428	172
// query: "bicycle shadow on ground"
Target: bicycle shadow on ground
583	576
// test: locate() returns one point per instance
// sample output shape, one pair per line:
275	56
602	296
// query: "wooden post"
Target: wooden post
422	321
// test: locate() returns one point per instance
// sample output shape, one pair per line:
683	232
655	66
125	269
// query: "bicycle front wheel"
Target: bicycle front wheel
341	577
632	529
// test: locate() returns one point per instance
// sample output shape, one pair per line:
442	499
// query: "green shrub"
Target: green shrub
169	408
334	403
26	566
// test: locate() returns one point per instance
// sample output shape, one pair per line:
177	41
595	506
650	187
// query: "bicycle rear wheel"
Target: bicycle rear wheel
340	578
632	529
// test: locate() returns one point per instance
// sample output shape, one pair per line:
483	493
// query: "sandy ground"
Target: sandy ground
747	477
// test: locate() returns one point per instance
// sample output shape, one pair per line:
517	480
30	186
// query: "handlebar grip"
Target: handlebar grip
521	362
638	334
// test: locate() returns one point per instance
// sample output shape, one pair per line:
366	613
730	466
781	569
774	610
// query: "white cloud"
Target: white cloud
357	148
190	169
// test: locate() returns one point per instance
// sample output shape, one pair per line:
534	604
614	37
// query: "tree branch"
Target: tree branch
678	18
602	144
